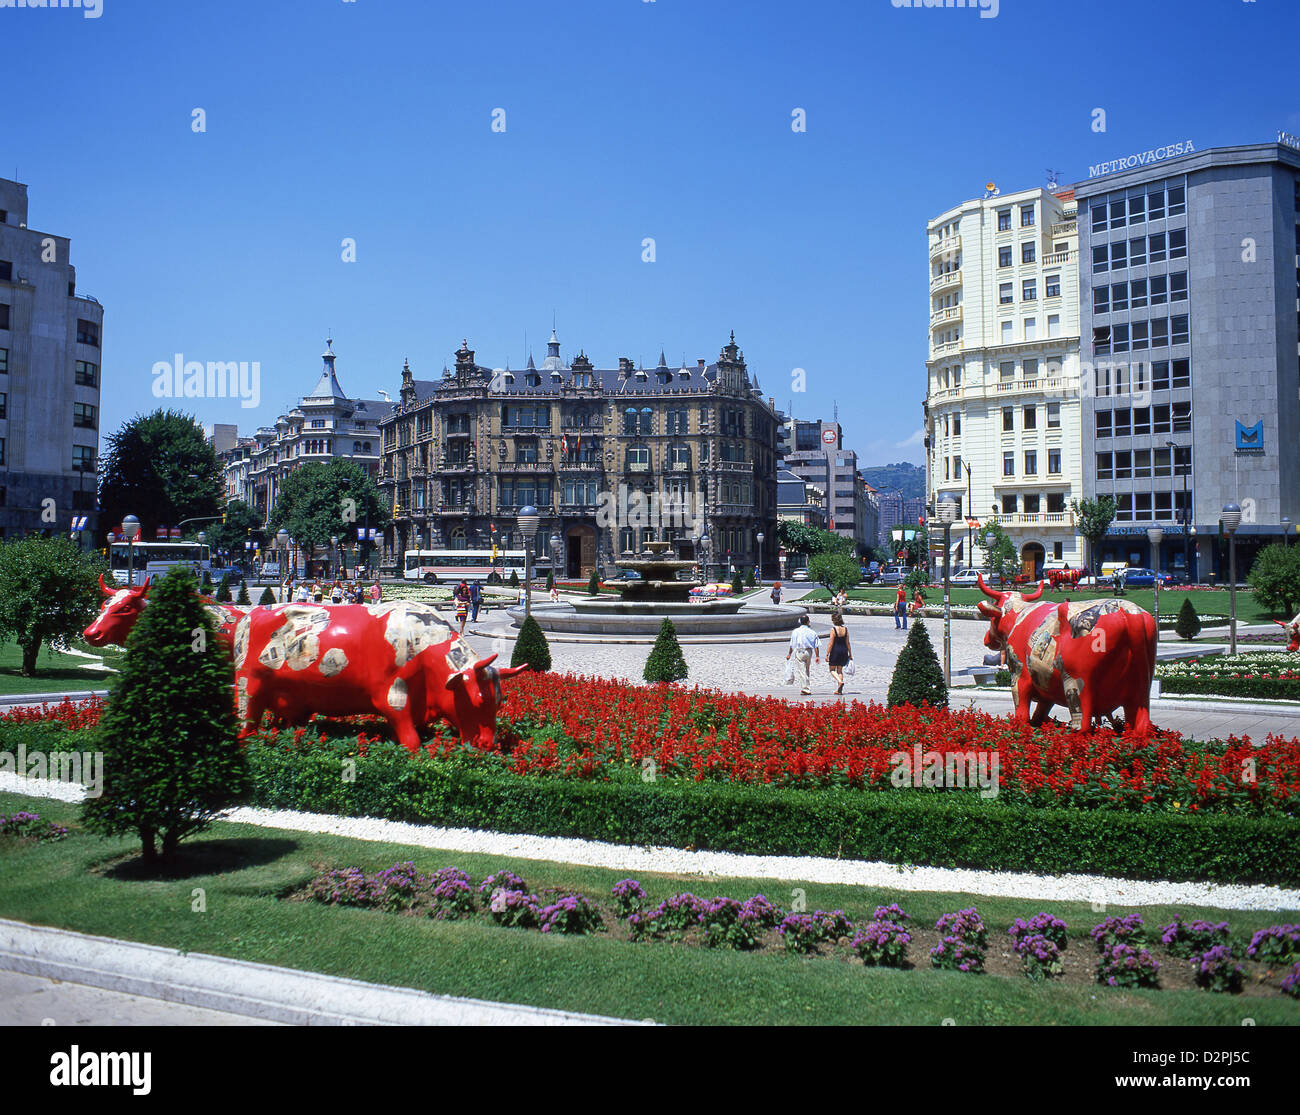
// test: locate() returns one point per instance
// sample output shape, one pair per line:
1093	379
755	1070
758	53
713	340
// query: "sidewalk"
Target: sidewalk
252	991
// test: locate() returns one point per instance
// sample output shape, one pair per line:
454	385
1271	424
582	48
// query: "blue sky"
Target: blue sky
624	119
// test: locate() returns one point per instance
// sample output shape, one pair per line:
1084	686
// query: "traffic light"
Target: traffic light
223	518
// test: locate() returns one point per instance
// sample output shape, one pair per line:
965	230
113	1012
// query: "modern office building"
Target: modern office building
1191	294
51	338
1002	403
596	450
798	501
819	457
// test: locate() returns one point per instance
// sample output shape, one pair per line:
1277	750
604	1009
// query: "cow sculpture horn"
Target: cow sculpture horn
102	588
988	610
484	663
1031	596
510	671
979	580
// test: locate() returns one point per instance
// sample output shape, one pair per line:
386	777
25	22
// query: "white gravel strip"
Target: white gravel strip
1099	890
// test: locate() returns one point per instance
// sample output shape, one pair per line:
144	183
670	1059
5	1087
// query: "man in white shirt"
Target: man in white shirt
804	645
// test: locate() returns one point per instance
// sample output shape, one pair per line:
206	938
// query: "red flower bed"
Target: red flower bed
81	714
591	728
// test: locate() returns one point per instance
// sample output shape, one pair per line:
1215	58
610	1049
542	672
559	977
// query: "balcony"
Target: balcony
944	281
1065	228
581	466
944	394
949	246
946	348
525	466
458	509
1033	519
1058	257
948	313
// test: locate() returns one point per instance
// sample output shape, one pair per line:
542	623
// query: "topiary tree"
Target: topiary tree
1189	623
737	584
593	584
207	581
666	662
550	579
267	597
918	677
49	591
243	597
531	648
223	589
750	580
172	762
514	578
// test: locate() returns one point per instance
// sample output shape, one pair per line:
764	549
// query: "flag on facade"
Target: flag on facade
577	443
564	446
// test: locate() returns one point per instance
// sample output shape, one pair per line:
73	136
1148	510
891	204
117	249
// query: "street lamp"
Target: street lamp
282	539
706	548
946	510
131	531
334	554
1156	536
527	520
555	555
1286	532
1231	516
758	573
988	552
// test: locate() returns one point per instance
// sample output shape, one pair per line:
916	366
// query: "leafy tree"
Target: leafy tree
666	662
171	760
804	538
593	584
267	597
1000	557
1275	577
915	579
49	590
320	500
241	523
918	677
160	468
1093	518
531	648
835	571
1188	625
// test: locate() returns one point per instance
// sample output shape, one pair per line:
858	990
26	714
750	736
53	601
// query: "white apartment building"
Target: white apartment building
1002	407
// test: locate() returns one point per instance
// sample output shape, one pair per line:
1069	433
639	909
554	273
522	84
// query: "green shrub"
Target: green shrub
514	578
223	590
171	760
737	584
267	597
751	581
918	677
531	648
903	827
1189	623
550	579
1267	689
1275	577
593	584
243	597
666	662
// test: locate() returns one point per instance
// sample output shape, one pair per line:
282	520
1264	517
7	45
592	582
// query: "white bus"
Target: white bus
153	559
462	565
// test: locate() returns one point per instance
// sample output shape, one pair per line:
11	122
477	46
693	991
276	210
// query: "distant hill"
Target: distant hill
903	477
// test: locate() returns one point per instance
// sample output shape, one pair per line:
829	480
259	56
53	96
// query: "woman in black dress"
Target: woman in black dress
838	653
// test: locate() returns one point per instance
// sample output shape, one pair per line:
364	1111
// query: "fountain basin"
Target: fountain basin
618	617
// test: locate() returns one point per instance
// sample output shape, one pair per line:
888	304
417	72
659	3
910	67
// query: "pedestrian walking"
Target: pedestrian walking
302	595
462	604
900	608
776	593
838	651
376	593
336	593
317	592
804	646
475	599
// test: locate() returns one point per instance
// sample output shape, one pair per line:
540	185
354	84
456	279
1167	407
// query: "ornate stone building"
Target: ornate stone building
612	458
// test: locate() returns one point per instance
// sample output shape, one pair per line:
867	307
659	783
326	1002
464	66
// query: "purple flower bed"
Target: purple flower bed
1127	966
834	925
1040	955
1217	970
1191	939
1130	930
569	913
767	914
1291	985
500	880
728	924
893	913
515	908
628	897
1278	943
800	933
28	826
349	887
882	943
1041	925
452	895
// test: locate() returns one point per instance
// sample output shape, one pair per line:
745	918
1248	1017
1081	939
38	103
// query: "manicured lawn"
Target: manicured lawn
55	673
1206	602
244	871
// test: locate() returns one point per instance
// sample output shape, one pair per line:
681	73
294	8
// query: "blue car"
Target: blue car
1137	577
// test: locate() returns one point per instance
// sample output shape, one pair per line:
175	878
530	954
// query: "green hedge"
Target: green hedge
1270	689
898	827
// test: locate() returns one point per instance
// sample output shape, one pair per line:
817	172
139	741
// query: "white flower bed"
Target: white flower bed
1265	663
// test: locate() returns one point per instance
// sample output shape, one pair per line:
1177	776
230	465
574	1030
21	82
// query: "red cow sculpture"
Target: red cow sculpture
1092	656
399	660
122	607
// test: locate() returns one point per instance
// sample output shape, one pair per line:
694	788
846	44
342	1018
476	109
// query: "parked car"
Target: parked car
967	578
1138	577
893	574
630	575
799	575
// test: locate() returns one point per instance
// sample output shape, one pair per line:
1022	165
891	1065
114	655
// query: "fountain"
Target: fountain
644	603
